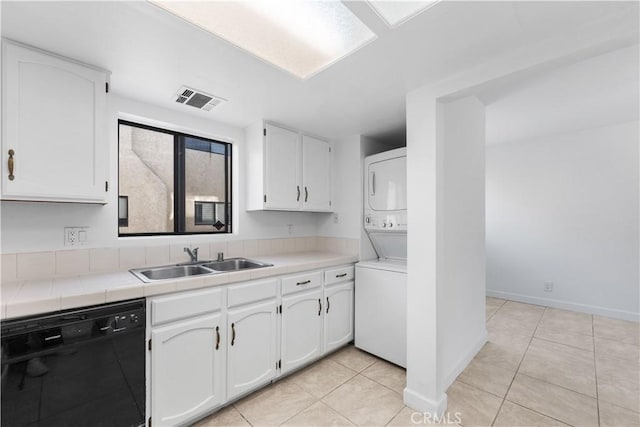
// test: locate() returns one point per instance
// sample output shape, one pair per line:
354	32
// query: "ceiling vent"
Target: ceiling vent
197	99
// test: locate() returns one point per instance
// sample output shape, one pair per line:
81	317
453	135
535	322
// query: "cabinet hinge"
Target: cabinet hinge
106	186
265	198
264	132
106	87
149	344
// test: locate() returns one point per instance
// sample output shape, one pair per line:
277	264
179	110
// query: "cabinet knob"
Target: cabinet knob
10	164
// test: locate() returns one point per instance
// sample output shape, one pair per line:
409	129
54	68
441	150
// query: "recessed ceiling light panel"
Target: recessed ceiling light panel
300	36
398	12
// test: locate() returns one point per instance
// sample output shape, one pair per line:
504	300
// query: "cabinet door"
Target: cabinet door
281	169
338	318
54	123
252	347
187	369
301	329
316	173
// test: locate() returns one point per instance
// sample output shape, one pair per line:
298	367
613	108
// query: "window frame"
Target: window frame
179	181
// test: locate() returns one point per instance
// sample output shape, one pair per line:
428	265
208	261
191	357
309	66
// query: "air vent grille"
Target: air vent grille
197	99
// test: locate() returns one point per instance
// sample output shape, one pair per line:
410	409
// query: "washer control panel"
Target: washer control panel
390	222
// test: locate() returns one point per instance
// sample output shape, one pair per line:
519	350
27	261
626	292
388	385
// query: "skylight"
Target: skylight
301	37
395	13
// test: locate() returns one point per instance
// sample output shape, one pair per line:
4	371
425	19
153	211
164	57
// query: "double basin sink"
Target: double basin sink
179	271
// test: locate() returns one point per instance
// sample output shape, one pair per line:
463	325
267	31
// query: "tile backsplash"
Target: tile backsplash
66	263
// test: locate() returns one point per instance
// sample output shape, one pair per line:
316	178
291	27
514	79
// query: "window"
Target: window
172	183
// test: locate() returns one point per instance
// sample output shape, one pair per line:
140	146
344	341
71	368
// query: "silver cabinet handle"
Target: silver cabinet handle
53	337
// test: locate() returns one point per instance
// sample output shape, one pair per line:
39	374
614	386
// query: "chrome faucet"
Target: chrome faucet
220	256
193	254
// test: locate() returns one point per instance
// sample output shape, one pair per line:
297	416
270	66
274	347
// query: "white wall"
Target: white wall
422	392
30	227
461	236
564	209
348	191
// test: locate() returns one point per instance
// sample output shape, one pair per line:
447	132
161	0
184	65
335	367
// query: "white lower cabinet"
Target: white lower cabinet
301	329
338	316
251	348
187	369
212	345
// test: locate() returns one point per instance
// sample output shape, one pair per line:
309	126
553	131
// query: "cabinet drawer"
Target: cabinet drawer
301	282
338	275
187	304
252	292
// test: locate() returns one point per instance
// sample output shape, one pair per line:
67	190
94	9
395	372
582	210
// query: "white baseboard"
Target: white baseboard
584	308
420	403
462	363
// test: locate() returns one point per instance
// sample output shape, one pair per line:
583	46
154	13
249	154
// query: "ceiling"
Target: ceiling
591	93
152	53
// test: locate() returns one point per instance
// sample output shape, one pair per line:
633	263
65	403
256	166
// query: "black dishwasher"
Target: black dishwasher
75	368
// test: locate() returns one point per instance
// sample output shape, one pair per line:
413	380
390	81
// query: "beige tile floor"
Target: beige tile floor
541	367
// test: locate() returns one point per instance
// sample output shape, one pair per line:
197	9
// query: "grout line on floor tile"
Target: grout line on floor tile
537	412
518	368
396	414
302	410
481	389
559	386
379	383
565	344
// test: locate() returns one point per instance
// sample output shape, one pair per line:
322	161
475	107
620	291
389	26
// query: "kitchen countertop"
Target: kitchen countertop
33	297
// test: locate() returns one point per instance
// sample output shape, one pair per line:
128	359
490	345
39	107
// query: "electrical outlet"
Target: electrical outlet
548	286
75	236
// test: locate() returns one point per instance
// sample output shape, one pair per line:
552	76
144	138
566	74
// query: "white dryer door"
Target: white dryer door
387	185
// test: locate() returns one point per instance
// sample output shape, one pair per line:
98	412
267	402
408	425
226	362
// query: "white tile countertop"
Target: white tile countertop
31	297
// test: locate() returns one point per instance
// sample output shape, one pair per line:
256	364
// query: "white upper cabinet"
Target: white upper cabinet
287	170
316	177
54	144
281	169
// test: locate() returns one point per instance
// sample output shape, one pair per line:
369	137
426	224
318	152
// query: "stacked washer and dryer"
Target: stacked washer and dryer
381	284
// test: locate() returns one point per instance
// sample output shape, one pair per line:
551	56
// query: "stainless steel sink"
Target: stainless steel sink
153	274
169	272
235	264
